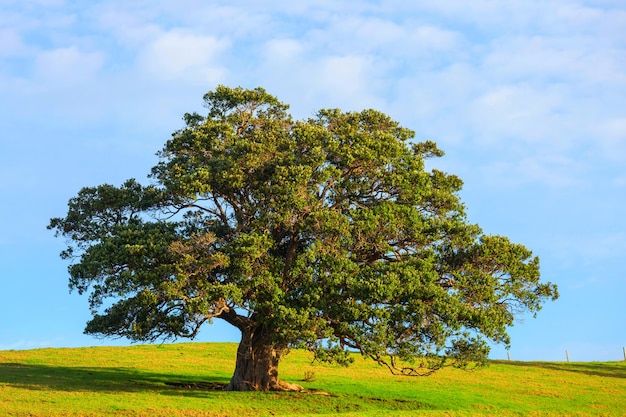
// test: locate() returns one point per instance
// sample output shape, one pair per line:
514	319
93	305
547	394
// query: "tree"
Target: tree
327	234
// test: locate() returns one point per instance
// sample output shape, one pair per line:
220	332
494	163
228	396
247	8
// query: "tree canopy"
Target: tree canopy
327	234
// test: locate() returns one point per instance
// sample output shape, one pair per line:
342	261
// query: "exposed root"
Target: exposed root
286	386
217	386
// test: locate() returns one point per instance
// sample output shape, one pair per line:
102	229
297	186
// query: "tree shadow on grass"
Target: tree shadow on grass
130	380
601	369
97	379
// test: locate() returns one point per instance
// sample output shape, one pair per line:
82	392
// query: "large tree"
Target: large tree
327	234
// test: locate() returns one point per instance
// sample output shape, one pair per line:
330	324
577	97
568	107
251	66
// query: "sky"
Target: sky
527	98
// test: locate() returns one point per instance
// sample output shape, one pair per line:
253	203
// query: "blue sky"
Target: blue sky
527	98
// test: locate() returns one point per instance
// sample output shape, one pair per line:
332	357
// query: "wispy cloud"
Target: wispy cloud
11	42
180	56
591	249
528	79
25	344
67	65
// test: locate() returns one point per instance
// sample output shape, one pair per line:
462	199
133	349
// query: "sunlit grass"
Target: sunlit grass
135	381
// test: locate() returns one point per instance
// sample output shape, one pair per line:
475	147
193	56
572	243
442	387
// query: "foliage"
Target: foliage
327	234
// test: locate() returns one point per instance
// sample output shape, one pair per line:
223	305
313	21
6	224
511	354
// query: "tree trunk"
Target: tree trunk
256	368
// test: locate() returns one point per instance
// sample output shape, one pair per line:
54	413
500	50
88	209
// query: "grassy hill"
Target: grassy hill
176	379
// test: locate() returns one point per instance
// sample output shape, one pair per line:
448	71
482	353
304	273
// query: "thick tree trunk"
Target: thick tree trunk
257	365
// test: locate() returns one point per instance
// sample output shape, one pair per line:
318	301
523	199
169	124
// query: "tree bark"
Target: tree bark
256	368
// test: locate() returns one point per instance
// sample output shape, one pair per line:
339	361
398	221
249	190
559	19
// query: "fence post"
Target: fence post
566	355
508	355
624	349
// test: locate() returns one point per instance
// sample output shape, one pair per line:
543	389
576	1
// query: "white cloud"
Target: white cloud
309	79
520	113
283	50
435	38
369	32
404	41
511	14
529	92
619	181
540	58
26	345
134	24
591	249
551	170
611	136
55	3
129	28
32	3
11	43
345	75
68	65
523	78
601	20
184	56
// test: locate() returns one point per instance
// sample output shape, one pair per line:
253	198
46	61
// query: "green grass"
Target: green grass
133	381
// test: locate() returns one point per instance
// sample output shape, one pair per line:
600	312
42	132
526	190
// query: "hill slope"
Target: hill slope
180	380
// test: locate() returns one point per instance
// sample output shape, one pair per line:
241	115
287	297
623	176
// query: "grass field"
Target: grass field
137	381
